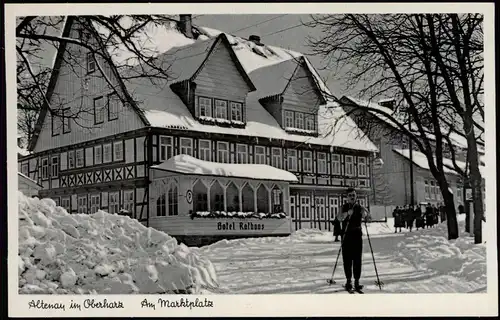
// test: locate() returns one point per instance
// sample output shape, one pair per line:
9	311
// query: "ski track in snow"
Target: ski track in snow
291	265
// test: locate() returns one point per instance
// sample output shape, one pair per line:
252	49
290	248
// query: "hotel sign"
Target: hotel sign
244	226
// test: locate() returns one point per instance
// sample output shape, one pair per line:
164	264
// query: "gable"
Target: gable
301	91
73	89
221	74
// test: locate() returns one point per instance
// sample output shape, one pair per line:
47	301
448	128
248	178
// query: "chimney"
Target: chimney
186	25
255	39
388	103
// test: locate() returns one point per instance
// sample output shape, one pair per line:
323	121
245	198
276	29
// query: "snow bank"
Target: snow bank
62	253
430	249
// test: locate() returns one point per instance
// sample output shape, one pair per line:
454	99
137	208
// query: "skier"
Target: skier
352	239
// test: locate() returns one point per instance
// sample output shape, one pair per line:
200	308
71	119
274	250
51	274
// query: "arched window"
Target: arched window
173	208
161	208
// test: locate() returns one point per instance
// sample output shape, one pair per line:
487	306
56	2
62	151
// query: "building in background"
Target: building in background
391	182
233	101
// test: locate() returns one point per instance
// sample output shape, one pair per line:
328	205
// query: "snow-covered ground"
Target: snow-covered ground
62	253
422	261
103	253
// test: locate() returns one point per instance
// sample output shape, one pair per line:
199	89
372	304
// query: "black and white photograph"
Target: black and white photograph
193	153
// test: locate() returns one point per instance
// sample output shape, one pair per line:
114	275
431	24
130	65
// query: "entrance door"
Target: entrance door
319	218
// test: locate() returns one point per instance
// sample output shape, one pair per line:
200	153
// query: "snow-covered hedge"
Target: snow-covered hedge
237	215
101	253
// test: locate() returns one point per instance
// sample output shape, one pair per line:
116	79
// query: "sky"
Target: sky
280	30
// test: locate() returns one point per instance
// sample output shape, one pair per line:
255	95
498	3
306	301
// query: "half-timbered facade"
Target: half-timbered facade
231	101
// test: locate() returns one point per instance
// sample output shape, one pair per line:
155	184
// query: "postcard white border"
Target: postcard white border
485	304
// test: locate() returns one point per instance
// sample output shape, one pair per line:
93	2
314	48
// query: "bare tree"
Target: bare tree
423	61
120	47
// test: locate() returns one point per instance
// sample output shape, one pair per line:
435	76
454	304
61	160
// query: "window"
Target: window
362	172
161	206
310	123
128	201
173	201
114	202
97	154
25	169
166	148
201	202
242	153
322	162
221	109
95	203
54	163
79	158
260	155
66	121
276	159
222	152
427	191
45	168
334	207
218	203
433	191
288	119
291	155
305	202
56	124
187	146
99	109
335	164
107	153
236	111
299	120
91	65
71	159
205	106
113	106
320	207
205	150
436	190
292	206
307	161
82	204
66	203
118	151
349	166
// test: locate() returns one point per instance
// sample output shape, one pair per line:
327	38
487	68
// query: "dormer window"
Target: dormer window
310	123
299	120
236	111
221	109
205	106
288	119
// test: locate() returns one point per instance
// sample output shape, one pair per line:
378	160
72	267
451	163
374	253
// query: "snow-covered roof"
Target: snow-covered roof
186	164
420	160
456	138
264	64
28	179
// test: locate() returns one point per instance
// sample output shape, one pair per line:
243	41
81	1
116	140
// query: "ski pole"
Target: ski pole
331	281
373	257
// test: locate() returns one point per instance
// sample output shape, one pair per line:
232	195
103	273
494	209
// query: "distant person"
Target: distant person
398	219
419	219
337	228
410	217
429	219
